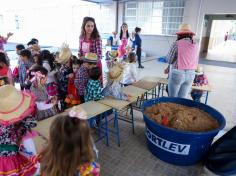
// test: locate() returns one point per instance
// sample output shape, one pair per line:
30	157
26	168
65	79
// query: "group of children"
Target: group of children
50	83
69	150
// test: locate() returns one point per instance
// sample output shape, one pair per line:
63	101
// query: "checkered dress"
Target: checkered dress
41	96
81	80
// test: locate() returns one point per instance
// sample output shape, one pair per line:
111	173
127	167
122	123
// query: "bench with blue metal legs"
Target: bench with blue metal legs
117	106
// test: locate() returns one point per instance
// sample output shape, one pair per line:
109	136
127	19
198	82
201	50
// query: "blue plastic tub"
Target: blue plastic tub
180	147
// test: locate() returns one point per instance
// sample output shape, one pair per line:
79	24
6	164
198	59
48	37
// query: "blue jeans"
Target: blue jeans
180	82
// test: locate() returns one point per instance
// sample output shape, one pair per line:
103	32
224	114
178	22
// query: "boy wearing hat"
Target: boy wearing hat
81	78
113	88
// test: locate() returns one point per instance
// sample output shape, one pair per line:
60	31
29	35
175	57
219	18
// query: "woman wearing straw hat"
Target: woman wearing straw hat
15	121
90	41
183	60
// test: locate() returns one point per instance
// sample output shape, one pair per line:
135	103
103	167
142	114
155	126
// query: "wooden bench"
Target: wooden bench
92	109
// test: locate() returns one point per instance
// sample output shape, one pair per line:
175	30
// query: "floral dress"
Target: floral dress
89	169
93	91
12	160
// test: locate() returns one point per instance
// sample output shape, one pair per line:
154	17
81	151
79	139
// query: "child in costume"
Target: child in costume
130	75
5	71
24	66
82	76
94	90
47	60
199	80
16	109
72	97
113	87
70	148
112	58
65	71
46	105
15	71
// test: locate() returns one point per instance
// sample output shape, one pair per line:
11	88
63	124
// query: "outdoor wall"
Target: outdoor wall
194	13
53	22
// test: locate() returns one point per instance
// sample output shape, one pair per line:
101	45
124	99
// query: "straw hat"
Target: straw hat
199	70
113	54
185	29
115	72
91	58
14	105
35	47
64	54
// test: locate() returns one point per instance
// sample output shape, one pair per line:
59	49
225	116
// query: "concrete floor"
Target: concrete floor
223	52
132	158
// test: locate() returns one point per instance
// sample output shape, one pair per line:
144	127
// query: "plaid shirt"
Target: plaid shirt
81	80
95	47
23	68
93	91
63	74
173	54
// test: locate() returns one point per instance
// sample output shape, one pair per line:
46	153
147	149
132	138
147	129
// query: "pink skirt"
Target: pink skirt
17	165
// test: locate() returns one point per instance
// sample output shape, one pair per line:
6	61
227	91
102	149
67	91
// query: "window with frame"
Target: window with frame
156	17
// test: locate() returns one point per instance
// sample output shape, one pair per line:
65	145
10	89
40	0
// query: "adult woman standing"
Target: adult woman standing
90	40
124	40
183	60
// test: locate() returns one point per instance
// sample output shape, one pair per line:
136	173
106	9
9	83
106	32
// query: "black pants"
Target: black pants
138	53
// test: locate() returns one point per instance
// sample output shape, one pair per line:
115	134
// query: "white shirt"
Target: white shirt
51	74
130	74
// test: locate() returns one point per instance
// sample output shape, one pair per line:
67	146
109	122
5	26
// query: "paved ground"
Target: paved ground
132	158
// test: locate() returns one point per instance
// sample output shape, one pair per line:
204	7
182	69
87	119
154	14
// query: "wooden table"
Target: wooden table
207	88
157	81
92	109
144	84
133	91
151	79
